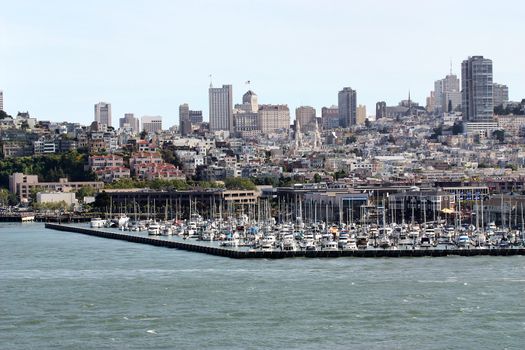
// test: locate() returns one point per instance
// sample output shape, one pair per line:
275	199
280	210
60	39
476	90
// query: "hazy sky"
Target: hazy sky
58	58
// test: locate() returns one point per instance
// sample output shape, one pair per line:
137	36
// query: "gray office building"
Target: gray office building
380	110
103	113
477	90
129	121
221	108
347	107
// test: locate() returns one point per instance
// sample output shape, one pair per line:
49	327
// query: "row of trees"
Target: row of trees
49	167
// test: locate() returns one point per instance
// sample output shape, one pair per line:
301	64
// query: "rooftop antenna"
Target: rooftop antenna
451	66
247	82
211	84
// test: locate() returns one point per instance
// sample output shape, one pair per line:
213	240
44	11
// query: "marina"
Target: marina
246	252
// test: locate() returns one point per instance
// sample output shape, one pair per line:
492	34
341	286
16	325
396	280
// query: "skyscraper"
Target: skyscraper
221	108
305	115
129	121
501	94
250	99
347	107
477	90
1	100
152	123
103	113
447	94
184	113
380	110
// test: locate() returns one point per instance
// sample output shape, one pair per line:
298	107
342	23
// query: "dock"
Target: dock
278	254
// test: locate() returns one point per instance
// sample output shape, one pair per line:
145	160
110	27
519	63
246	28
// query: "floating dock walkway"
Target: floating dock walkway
277	254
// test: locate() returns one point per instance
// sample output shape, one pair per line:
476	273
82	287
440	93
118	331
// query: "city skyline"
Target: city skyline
155	78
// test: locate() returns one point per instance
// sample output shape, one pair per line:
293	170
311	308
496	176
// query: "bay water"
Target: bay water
61	290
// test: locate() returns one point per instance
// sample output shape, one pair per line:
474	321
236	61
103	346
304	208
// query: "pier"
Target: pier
278	254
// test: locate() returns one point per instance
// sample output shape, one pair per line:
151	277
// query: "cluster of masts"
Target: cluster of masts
267	235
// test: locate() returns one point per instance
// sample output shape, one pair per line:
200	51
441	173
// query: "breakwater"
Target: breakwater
278	254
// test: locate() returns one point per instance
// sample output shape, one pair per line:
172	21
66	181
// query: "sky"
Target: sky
59	58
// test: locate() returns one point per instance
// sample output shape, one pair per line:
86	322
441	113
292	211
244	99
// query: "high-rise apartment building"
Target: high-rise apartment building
380	110
306	117
1	100
477	90
347	107
501	94
361	115
152	123
103	113
272	118
129	121
221	108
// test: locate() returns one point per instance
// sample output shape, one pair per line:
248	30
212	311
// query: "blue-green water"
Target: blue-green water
61	290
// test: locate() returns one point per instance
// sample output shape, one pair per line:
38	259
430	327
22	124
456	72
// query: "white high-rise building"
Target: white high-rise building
103	113
151	123
272	118
221	108
447	94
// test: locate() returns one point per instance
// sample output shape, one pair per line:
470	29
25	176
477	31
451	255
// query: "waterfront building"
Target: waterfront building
22	185
501	94
306	117
477	90
360	115
152	123
221	111
330	117
380	110
272	118
347	107
129	121
103	113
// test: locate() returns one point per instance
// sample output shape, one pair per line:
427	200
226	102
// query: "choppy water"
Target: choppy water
64	290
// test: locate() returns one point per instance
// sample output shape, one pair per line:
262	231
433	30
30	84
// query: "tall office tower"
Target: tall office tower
221	108
347	107
330	117
273	117
184	112
380	110
451	99
501	94
1	100
103	113
447	96
477	90
152	123
305	115
361	115
195	117
129	121
250	99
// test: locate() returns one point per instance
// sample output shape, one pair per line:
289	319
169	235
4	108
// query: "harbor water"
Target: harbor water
61	290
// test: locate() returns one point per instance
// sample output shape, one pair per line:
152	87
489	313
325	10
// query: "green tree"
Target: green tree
84	191
317	178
